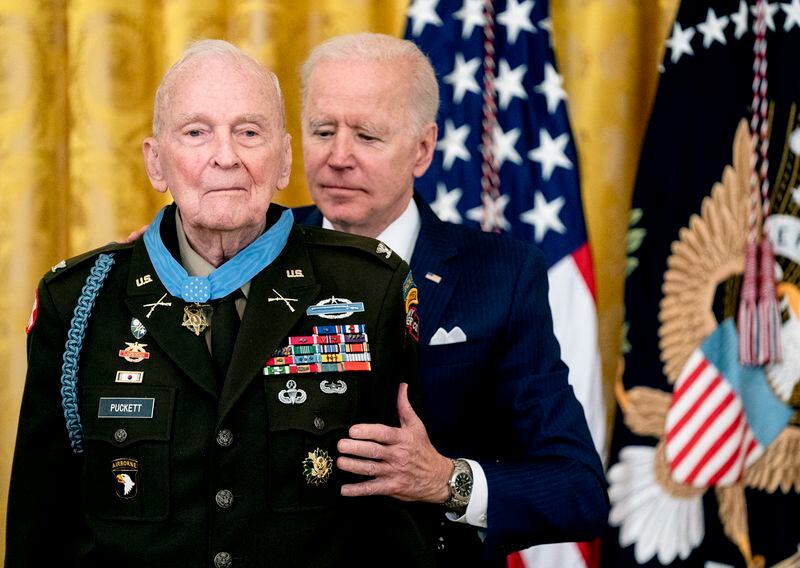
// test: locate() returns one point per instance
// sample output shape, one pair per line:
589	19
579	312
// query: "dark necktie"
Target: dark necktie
224	329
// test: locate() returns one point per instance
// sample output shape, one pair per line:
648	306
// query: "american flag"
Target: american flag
506	162
722	414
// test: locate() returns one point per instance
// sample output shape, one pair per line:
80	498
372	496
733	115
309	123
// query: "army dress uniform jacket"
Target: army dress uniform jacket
178	471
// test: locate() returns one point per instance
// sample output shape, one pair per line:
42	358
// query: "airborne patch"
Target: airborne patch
126	477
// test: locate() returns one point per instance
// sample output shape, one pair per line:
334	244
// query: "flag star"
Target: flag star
452	143
680	42
504	143
544	216
516	18
740	19
551	87
508	83
713	29
491	213
471	15
792	15
769	15
546	24
422	13
462	77
550	153
445	205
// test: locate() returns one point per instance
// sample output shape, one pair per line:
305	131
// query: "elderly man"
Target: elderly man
156	432
510	456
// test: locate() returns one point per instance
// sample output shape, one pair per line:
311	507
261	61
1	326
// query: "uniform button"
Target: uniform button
120	435
223	560
319	423
224	437
224	498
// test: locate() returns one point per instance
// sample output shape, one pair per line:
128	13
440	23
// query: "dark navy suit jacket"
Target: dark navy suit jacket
502	396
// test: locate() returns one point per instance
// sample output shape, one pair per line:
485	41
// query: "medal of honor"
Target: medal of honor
195	317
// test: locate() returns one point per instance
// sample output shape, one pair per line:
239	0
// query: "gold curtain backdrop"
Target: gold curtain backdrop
77	79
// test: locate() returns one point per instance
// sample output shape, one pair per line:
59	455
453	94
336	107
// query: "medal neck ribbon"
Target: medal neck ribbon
231	275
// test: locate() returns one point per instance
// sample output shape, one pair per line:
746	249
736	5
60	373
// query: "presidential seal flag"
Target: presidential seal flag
704	454
505	161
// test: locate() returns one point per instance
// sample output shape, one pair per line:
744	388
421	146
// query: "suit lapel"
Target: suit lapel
162	316
265	323
433	253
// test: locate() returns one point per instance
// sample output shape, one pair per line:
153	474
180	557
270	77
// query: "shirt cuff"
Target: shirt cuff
478	501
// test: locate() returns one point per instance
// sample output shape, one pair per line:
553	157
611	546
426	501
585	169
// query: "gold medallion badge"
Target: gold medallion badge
317	467
195	317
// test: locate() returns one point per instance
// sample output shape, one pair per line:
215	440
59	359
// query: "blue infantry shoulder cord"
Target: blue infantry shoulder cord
72	348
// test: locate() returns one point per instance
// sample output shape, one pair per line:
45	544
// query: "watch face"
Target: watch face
463	484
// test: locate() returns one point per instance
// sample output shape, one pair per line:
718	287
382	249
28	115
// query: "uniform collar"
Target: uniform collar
401	235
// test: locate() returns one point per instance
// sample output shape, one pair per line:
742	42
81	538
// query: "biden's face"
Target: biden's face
221	151
360	150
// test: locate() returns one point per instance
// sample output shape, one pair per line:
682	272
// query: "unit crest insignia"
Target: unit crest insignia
317	467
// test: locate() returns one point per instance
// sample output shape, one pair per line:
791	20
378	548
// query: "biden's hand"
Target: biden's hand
401	461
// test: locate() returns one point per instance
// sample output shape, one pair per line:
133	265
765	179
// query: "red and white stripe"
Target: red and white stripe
708	439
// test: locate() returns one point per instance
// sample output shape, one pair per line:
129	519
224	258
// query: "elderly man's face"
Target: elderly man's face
221	150
360	152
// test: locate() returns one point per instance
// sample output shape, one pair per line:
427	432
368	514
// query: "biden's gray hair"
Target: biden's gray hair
369	47
211	48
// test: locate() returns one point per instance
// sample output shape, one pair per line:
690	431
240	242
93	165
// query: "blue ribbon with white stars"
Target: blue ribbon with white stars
231	275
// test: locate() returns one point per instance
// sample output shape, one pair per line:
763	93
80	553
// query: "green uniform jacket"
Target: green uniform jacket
218	478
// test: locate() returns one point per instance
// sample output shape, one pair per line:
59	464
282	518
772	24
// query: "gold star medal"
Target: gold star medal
317	467
195	317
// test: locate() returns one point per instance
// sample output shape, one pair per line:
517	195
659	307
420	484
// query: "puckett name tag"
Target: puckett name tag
126	407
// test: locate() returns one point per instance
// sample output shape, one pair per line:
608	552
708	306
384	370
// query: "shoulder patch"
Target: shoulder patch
336	239
66	266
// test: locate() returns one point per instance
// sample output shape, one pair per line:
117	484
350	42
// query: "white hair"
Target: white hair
211	48
424	94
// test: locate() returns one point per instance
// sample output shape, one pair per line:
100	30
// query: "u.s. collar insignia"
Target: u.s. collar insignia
317	467
62	264
195	317
137	328
335	308
135	352
126	477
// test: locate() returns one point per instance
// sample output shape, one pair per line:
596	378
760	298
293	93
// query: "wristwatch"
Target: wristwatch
460	486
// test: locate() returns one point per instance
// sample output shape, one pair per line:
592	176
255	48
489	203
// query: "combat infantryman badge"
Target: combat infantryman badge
317	467
126	477
195	317
135	352
335	308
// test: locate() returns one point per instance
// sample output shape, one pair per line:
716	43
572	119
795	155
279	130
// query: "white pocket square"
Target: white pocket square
442	337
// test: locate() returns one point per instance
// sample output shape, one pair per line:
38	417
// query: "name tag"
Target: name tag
126	407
